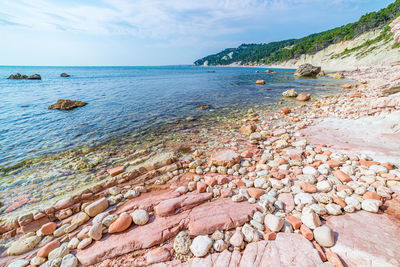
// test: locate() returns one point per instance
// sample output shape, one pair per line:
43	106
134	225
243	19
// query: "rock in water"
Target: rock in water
260	82
307	70
64	75
18	76
34	77
303	97
66	104
289	93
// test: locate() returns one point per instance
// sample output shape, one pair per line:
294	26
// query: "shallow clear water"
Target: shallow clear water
122	100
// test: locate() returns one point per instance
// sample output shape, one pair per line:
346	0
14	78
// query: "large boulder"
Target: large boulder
66	104
307	70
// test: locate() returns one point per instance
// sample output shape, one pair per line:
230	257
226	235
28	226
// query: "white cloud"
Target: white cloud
160	19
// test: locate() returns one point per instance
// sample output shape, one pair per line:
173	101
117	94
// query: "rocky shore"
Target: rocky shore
271	190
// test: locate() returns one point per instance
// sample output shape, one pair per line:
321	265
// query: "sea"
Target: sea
122	100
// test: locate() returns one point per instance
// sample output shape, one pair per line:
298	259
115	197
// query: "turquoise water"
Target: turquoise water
122	100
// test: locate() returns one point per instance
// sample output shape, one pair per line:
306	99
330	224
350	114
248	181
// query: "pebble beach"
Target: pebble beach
267	188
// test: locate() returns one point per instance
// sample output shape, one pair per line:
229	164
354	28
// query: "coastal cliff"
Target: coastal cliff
358	44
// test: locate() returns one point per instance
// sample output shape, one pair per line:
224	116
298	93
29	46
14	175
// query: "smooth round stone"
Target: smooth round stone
96	231
217	235
220	245
114	191
59	252
304	198
182	243
84	243
334	209
23	245
80	218
201	245
37	260
121	224
311	220
274	223
140	217
324	186
69	260
310	171
371	205
324	236
73	243
19	263
237	239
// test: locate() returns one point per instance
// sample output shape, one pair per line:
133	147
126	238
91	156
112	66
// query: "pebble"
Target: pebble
311	220
371	205
121	224
96	231
23	245
140	217
237	239
274	223
96	207
37	260
59	252
84	243
182	243
220	245
80	218
324	236
69	260
73	243
201	245
19	263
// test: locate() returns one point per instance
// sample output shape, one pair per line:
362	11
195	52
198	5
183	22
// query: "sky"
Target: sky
157	32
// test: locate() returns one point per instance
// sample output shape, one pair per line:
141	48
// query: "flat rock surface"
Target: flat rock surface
203	219
375	136
286	250
367	239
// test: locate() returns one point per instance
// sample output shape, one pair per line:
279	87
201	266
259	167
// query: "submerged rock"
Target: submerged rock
66	104
307	70
289	93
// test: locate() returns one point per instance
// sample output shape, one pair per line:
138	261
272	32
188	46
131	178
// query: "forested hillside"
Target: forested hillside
289	49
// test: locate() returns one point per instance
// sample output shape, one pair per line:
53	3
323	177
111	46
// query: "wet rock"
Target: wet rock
303	97
289	93
23	245
64	75
201	245
260	82
66	104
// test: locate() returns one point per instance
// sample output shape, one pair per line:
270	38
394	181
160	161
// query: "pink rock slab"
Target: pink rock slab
203	219
287	250
367	239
